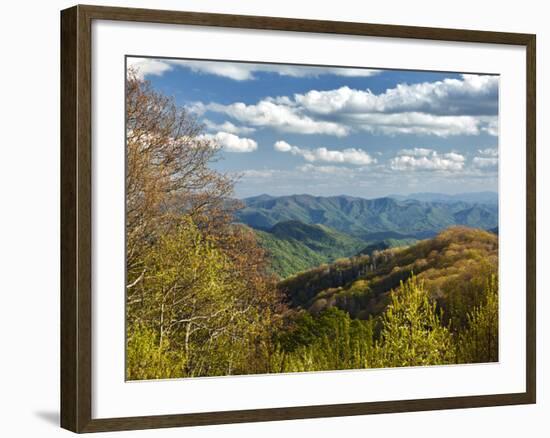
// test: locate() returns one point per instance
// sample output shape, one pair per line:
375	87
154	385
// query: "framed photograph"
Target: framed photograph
269	218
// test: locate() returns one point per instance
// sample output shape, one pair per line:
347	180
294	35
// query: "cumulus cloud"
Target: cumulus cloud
417	152
465	106
330	170
421	160
283	146
491	127
261	173
281	117
293	119
227	127
472	94
143	67
246	72
418	124
349	156
451	107
487	159
233	143
490	152
241	71
237	72
485	162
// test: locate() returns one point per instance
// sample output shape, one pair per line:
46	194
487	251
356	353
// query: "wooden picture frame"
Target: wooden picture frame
76	217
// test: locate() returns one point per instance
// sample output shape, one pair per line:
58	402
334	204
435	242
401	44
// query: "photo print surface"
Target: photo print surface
285	218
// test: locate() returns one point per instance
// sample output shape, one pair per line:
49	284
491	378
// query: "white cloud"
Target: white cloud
148	67
432	161
449	96
417	152
227	127
417	123
352	72
488	159
240	71
330	170
339	112
492	127
245	71
281	100
485	162
232	143
466	106
283	146
490	152
237	72
450	107
453	156
349	156
281	117
255	173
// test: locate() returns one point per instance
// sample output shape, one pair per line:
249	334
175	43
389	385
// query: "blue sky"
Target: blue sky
288	129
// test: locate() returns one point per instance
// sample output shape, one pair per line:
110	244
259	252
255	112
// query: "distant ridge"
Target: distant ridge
367	218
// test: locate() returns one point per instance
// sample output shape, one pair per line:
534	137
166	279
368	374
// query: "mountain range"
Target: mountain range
368	219
300	232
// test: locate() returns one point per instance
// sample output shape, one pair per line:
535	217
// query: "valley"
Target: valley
300	232
345	264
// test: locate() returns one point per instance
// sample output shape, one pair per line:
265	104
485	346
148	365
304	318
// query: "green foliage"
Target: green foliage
454	267
330	341
412	333
294	246
479	341
192	307
380	245
147	358
214	334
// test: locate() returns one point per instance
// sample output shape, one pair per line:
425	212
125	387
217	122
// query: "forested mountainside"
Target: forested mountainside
294	246
433	302
453	265
363	218
379	245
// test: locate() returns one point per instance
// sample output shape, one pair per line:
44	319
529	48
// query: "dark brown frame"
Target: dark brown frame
76	238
